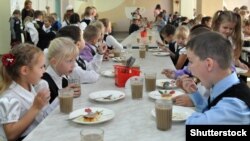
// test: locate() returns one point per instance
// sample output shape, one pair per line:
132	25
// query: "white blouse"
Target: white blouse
183	51
111	41
14	103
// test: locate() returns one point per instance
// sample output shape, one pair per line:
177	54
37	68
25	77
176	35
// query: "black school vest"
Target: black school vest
240	91
105	37
87	21
52	86
81	63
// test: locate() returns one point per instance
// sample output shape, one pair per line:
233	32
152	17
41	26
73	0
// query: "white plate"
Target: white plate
111	55
108	73
117	59
155	50
240	70
161	53
179	113
100	95
156	94
160	82
106	115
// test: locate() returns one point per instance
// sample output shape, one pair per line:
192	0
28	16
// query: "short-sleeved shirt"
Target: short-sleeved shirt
14	103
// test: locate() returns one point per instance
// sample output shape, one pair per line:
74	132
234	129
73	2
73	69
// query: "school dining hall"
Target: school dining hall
124	70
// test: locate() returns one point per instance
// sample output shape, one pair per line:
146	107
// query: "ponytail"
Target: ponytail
6	79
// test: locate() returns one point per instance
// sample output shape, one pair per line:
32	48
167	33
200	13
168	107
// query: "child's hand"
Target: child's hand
168	73
102	48
166	49
159	44
76	88
183	100
106	56
186	83
42	98
243	66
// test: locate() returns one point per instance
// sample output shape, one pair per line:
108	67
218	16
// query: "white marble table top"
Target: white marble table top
132	122
132	39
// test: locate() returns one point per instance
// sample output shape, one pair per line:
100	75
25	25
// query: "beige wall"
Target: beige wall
209	7
187	10
4	27
36	4
231	4
115	9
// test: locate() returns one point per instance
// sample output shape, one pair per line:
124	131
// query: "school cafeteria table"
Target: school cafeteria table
135	39
132	121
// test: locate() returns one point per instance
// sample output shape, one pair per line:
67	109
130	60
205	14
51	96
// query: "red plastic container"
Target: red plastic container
123	73
144	33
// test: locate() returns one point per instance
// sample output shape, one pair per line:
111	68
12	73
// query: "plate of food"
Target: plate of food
179	113
161	53
107	95
166	83
117	59
164	94
91	115
155	50
108	73
240	70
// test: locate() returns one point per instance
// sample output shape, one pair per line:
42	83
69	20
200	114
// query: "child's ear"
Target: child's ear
24	70
210	64
96	39
53	61
78	44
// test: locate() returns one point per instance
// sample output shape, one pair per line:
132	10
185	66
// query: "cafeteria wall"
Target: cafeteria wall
119	11
4	26
231	4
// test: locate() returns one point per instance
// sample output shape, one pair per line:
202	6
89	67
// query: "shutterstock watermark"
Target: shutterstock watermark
194	132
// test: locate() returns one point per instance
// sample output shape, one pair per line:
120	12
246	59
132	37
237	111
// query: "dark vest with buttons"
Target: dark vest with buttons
240	91
81	63
52	86
87	21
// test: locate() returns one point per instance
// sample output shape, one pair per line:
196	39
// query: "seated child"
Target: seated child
62	53
134	26
86	71
109	39
229	99
22	107
93	37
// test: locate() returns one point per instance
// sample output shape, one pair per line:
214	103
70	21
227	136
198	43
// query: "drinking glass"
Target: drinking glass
150	81
66	100
92	134
76	86
163	113
136	87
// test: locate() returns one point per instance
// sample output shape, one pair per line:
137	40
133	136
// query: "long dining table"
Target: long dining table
135	39
132	121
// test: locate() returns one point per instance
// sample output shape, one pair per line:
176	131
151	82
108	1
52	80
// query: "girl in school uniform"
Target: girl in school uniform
181	37
228	24
61	55
46	34
22	108
87	16
86	71
109	39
